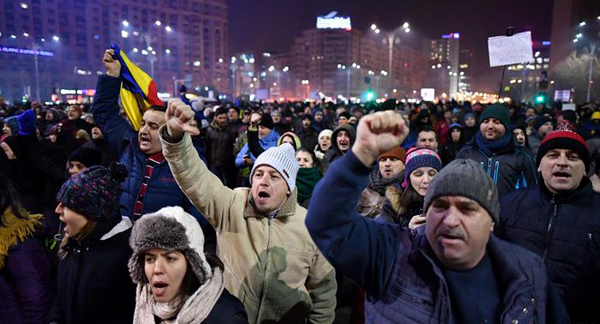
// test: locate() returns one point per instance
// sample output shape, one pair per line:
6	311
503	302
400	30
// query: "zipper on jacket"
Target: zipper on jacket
550	223
264	276
496	169
489	167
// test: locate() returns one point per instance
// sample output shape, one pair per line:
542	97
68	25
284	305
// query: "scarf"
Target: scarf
305	182
491	147
15	230
378	183
195	309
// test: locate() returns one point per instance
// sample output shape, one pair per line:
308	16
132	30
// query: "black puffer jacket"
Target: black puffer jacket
511	168
220	144
565	231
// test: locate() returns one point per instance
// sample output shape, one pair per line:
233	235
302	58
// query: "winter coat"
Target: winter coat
93	284
266	142
271	264
511	168
450	150
396	267
25	272
162	190
334	151
565	231
394	213
309	138
220	143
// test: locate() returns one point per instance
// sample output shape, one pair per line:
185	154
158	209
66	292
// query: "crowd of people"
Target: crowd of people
298	212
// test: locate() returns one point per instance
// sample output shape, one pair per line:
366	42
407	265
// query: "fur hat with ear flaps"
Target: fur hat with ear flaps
171	229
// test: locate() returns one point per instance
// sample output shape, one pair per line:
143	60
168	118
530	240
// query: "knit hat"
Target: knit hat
87	156
266	121
467	115
455	125
12	123
170	228
497	111
465	178
397	152
281	158
540	121
564	138
417	158
296	140
95	192
325	132
26	122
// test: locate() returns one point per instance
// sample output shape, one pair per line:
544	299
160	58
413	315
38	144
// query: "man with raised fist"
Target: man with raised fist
452	270
271	263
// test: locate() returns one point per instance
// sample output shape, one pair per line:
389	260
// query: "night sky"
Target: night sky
272	25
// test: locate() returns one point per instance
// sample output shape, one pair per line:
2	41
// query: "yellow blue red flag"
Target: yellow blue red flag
138	90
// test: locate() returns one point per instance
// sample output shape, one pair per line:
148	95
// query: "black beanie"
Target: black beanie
87	156
540	121
497	111
266	121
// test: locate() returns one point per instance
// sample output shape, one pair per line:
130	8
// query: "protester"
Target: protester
260	131
558	220
342	140
470	122
454	145
26	286
510	166
542	126
220	139
427	139
176	281
307	134
267	212
308	175
82	159
324	144
520	135
447	271
405	206
278	126
388	172
291	138
93	282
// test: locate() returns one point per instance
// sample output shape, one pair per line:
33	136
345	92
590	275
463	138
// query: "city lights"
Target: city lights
168	28
26	34
135	50
55	38
144	52
220	60
271	68
285	69
373	27
24	6
196	63
157	23
581	24
124	34
125	23
168	51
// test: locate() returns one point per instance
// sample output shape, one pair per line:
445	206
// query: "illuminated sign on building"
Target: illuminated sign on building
332	22
546	43
87	92
24	51
452	35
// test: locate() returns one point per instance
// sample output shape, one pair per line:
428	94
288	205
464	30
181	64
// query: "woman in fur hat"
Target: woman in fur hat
93	282
176	282
406	207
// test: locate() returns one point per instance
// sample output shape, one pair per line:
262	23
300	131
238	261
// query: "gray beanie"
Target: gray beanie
465	178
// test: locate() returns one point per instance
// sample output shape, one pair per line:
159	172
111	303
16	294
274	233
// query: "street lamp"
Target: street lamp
391	40
592	35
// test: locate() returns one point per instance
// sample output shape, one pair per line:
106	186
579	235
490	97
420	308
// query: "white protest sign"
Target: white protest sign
568	106
507	50
428	94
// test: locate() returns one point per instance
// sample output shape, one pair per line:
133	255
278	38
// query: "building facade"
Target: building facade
176	42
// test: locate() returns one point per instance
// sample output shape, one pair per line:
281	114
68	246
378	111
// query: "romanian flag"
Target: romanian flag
138	90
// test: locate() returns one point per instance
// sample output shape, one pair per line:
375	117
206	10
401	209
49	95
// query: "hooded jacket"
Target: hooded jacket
564	230
271	264
266	142
334	151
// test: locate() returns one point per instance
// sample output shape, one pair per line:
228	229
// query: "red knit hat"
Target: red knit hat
564	137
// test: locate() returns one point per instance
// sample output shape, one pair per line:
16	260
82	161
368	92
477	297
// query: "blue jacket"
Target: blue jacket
162	189
266	142
397	268
565	230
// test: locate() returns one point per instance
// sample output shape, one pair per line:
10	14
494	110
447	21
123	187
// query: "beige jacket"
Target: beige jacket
271	265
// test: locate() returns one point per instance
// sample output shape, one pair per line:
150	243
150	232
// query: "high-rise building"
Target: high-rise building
444	60
523	82
465	67
176	42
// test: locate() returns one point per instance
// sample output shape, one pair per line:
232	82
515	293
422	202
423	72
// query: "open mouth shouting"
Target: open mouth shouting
263	196
561	176
159	288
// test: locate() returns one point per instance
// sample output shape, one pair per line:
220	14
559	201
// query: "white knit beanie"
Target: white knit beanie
281	158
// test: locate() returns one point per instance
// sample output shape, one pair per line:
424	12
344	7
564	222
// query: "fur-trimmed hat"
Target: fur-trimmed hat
172	229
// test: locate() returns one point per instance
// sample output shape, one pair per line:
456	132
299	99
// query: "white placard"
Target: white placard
428	94
507	50
568	106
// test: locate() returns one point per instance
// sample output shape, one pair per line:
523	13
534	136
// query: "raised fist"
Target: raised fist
179	117
378	133
112	65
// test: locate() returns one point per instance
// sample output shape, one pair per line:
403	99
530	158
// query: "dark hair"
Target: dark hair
428	129
9	198
221	111
410	195
158	108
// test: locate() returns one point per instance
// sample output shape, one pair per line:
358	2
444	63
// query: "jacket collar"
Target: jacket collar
287	209
581	196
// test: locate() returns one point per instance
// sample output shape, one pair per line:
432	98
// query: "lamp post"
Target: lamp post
592	35
391	40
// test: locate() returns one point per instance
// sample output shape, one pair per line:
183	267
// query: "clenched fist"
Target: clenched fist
112	65
178	117
378	133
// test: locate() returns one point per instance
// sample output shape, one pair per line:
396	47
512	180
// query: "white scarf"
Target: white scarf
196	308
